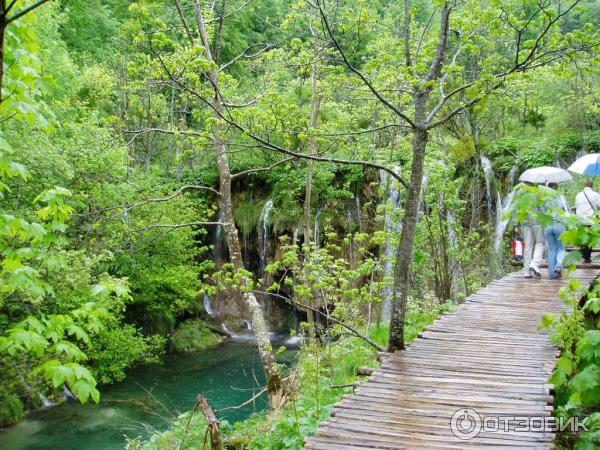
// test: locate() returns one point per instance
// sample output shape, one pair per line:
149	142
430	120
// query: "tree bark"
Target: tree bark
2	33
315	108
409	226
275	385
212	423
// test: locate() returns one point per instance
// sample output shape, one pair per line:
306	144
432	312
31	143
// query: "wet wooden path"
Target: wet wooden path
486	359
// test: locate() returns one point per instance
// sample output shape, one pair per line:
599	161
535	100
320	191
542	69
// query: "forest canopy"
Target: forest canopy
172	171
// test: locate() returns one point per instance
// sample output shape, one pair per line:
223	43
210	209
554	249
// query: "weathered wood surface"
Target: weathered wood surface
488	355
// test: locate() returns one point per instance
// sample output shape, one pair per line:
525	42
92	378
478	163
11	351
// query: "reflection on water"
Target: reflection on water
149	399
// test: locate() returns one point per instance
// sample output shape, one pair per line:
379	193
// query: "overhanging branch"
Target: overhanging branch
350	328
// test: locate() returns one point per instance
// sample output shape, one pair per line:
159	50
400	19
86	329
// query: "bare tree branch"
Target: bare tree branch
438	62
25	11
465	106
188	31
224	16
275	147
352	330
178	192
247	402
10	6
357	72
177	225
260	169
407	60
544	32
422	38
245	55
243	105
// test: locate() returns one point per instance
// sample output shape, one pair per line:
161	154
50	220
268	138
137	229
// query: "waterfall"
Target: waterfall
424	183
264	235
512	177
218	242
246	248
392	225
208	305
317	227
358	215
451	227
488	174
226	330
502	223
295	235
45	402
68	394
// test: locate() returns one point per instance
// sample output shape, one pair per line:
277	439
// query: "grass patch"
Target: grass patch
194	336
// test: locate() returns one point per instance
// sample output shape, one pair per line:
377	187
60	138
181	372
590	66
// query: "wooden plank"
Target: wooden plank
488	355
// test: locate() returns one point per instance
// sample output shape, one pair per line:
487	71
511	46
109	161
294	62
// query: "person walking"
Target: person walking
587	202
533	237
556	248
533	241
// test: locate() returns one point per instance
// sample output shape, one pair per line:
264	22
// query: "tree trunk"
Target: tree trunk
212	423
315	109
2	32
315	106
275	386
179	152
407	238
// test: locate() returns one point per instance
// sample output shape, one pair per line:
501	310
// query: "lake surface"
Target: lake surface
150	398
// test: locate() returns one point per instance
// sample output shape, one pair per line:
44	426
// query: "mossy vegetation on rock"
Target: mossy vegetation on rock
194	336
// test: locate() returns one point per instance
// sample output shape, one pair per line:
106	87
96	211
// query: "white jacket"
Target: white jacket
586	202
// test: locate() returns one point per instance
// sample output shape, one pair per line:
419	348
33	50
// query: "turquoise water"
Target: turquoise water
150	398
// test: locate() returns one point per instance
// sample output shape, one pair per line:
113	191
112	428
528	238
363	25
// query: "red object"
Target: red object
517	247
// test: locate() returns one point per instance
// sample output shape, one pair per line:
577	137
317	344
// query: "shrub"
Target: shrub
194	336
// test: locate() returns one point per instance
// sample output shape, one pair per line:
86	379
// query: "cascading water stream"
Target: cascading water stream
502	223
208	305
45	402
263	232
218	242
317	234
357	211
392	226
488	174
512	177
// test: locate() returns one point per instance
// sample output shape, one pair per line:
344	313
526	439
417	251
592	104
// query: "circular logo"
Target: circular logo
465	424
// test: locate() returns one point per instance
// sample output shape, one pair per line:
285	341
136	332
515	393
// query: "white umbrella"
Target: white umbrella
587	165
545	175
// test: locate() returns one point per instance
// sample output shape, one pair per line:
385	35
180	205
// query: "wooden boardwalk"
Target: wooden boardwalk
487	358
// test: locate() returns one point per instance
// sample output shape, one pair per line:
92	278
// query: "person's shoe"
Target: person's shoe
536	272
587	261
558	271
528	275
556	276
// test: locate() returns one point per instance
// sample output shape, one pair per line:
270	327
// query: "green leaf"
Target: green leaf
60	374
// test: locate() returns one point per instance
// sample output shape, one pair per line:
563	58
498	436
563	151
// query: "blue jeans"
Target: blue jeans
556	247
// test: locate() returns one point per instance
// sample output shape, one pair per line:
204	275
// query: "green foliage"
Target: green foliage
95	132
318	369
194	336
117	349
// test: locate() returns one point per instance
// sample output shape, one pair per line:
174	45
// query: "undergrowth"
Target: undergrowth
324	372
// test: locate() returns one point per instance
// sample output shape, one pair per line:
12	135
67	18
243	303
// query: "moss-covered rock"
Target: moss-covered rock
194	336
